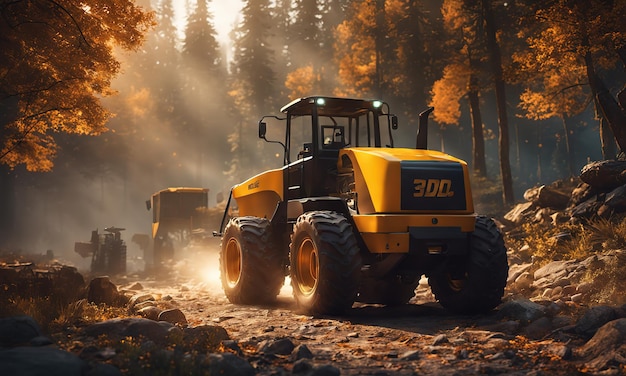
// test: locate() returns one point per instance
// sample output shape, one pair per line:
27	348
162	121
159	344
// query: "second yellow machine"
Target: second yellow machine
351	218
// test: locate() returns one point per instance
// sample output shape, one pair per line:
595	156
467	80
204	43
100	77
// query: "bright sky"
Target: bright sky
224	12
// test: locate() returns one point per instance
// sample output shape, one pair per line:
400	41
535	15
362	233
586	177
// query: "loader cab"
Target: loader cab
317	128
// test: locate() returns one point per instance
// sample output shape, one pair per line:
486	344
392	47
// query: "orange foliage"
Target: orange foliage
448	91
56	62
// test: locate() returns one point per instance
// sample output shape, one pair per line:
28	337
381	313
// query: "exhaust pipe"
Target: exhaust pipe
422	129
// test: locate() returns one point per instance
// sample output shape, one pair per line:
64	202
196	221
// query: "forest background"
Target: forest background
104	103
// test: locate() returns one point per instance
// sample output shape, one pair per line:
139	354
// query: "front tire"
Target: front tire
479	289
325	263
252	271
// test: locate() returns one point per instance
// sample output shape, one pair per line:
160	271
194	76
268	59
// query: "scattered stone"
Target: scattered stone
136	286
102	290
282	346
150	312
140	298
301	352
607	347
41	361
547	197
133	327
232	345
229	364
593	319
440	339
173	316
522	310
18	330
410	355
538	328
205	337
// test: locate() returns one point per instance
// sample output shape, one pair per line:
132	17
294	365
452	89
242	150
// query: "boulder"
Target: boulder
18	330
102	290
547	197
606	175
31	361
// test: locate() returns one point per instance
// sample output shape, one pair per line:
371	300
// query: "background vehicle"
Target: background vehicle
107	251
351	218
176	214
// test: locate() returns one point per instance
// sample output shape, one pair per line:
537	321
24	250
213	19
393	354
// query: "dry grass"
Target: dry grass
570	241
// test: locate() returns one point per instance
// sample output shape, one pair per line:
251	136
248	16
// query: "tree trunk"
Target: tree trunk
478	139
496	64
607	105
568	146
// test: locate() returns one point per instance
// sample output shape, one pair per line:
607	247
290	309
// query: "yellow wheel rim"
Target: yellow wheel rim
307	267
232	259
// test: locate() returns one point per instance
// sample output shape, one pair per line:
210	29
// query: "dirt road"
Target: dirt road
418	338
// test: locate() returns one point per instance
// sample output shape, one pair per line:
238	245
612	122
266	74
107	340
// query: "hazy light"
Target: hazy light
377	104
320	101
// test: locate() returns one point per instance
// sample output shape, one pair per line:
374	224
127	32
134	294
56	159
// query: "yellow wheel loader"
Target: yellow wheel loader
351	218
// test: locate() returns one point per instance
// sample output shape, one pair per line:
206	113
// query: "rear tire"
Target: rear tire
482	287
325	263
252	271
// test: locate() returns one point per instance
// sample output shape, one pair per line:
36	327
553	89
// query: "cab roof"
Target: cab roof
332	106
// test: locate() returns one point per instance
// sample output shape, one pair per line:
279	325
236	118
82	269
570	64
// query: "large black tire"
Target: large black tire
389	291
252	271
481	288
325	263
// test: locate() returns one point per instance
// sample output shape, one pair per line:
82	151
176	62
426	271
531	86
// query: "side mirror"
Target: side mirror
394	122
262	129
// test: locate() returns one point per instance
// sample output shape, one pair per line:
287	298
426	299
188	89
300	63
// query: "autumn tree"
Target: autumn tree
464	33
576	42
56	61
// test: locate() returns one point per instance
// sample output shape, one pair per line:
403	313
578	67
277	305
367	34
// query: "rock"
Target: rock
140	298
31	361
173	316
150	312
577	298
582	193
410	355
555	269
40	341
229	364
102	290
136	286
547	197
301	352
283	346
18	330
524	281
607	174
301	367
132	327
142	305
325	370
522	310
439	340
520	212
233	346
607	346
562	351
594	318
538	328
205	337
586	209
616	199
